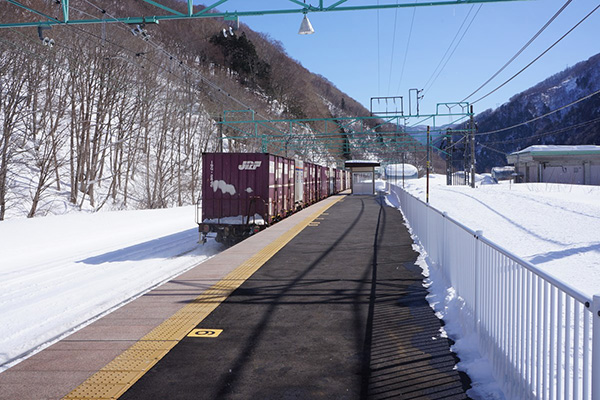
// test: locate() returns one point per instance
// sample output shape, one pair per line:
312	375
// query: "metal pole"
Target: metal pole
428	162
478	235
220	134
596	348
472	149
403	162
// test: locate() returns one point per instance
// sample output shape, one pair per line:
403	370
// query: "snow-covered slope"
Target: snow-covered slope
575	125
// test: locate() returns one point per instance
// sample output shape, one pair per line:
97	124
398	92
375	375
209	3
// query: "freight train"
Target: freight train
243	193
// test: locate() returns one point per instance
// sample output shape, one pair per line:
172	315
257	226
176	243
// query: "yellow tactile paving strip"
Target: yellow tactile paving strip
121	373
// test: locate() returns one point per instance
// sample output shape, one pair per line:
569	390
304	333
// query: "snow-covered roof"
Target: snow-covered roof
362	163
397	169
562	149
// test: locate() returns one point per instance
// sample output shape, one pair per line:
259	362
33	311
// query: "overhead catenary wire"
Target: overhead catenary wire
538	57
539	32
186	67
393	50
410	31
448	49
159	66
378	55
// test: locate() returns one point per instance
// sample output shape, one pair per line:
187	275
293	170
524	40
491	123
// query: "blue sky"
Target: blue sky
363	52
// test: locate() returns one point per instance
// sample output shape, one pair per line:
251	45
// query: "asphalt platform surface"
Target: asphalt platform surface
338	313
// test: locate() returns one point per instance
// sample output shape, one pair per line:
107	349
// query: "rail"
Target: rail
540	335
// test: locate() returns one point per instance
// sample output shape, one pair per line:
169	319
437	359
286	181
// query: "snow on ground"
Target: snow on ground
555	227
59	273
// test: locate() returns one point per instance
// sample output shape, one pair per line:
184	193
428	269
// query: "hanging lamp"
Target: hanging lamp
305	27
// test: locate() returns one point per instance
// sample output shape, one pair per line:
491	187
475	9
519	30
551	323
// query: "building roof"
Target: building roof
559	150
361	163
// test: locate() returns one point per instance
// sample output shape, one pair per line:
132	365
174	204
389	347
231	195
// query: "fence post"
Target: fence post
596	348
477	274
444	239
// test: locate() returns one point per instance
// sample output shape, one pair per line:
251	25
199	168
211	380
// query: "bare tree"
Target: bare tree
12	82
47	88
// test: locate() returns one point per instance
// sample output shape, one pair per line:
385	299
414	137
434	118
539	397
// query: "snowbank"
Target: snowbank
60	273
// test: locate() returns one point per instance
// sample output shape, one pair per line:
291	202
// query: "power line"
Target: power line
554	132
538	57
488	147
449	47
541	116
378	56
393	50
412	22
172	57
522	49
455	47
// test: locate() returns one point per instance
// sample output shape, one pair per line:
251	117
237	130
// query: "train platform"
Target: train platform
326	304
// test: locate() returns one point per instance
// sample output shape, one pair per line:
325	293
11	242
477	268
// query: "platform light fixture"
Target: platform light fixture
305	26
46	41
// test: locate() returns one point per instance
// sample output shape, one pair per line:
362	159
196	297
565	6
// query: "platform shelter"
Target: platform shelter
363	175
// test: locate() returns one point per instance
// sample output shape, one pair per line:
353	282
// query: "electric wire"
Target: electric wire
542	29
491	148
159	66
378	55
541	116
538	57
449	47
184	66
455	47
554	132
410	31
393	50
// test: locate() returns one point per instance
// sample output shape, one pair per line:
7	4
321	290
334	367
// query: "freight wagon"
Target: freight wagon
243	193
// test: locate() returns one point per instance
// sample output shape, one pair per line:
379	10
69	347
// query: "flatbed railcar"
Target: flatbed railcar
243	193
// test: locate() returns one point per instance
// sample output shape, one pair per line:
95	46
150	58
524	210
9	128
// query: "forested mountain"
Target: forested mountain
118	116
575	125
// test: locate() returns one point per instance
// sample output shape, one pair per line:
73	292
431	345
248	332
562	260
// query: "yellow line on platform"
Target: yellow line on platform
121	373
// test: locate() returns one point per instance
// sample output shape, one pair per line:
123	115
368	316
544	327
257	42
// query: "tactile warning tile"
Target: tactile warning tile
121	373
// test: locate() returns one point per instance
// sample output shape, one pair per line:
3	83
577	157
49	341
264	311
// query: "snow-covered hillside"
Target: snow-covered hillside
574	125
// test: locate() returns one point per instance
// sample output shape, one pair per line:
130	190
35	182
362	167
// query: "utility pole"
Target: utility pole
417	97
449	151
428	163
472	149
220	134
403	162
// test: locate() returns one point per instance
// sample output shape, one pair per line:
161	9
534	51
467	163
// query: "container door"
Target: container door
299	182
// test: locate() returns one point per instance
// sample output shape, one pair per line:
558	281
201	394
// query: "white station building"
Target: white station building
579	165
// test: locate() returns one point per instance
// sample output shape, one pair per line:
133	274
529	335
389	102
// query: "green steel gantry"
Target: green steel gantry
384	135
192	12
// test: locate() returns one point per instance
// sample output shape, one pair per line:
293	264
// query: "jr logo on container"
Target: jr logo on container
249	165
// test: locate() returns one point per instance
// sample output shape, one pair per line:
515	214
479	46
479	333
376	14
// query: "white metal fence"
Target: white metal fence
541	336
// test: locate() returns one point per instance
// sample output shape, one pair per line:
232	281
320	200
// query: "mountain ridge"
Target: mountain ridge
574	125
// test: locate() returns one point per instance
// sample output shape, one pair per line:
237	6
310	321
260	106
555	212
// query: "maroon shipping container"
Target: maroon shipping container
310	191
244	192
281	187
323	183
